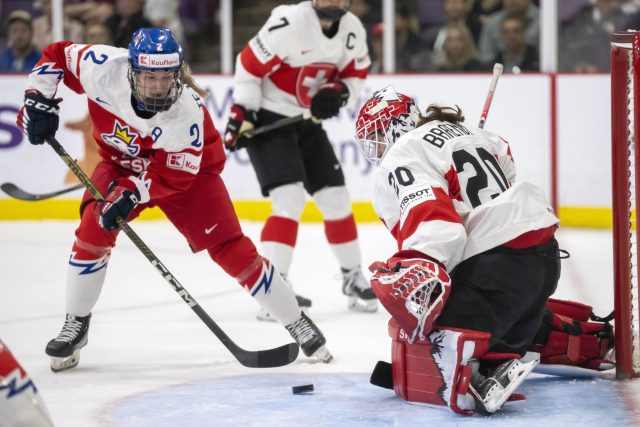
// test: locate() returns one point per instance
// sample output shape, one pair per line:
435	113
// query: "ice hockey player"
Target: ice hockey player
477	256
312	59
20	402
159	147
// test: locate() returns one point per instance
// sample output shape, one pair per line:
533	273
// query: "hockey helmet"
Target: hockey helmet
385	117
331	10
154	50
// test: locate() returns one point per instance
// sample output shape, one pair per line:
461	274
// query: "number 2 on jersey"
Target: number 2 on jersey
484	165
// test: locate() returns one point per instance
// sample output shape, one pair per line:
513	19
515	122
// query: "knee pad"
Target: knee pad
288	201
333	202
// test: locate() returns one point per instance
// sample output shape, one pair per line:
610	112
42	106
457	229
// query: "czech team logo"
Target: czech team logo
122	139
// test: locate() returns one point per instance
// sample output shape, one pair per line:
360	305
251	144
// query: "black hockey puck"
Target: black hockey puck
301	389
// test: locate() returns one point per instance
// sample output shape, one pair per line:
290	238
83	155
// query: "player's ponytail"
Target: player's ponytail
188	79
445	114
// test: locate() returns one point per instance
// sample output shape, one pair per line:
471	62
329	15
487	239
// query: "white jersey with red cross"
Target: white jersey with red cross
284	65
449	191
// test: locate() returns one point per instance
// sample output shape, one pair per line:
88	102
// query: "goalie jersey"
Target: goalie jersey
167	151
284	65
449	191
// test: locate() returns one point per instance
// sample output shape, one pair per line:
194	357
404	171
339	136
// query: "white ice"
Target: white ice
151	362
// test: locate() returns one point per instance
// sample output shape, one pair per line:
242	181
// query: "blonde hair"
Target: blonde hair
188	79
470	50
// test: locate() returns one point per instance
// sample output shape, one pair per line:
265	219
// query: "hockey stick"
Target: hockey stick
497	71
252	359
271	126
18	193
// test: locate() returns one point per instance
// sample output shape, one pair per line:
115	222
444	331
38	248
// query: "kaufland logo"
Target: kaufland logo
159	61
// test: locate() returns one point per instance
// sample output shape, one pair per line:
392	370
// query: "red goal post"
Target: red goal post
625	126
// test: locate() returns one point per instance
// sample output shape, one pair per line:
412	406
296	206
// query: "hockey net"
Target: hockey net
625	105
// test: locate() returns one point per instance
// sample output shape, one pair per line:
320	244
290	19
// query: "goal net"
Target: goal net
625	103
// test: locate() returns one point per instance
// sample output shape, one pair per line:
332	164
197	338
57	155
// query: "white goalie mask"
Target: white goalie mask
385	117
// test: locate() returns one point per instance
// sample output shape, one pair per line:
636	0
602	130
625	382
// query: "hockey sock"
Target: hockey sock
270	290
278	240
85	276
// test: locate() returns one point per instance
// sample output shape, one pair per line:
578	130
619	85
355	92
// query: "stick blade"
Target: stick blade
17	193
272	358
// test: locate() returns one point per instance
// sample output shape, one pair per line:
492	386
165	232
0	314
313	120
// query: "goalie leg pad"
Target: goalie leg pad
569	336
437	370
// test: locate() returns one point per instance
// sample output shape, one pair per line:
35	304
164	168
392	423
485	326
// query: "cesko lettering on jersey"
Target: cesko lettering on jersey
159	60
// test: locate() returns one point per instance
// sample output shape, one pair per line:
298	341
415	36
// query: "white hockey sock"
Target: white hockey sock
275	295
84	284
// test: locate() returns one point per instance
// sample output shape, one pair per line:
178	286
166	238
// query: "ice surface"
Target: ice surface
151	362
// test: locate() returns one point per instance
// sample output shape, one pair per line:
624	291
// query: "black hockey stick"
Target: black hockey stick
271	126
18	193
252	359
497	71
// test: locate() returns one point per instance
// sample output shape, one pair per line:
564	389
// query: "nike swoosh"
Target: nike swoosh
304	52
101	100
210	229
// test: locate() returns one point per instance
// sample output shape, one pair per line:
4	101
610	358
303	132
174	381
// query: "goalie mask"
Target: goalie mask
385	117
155	69
331	10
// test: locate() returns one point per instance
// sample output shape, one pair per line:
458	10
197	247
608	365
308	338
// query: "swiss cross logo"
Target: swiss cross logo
310	78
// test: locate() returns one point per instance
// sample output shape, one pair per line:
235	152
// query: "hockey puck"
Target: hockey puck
301	389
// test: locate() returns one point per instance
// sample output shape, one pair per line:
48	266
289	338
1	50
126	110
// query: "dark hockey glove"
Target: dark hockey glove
327	101
38	117
122	198
241	120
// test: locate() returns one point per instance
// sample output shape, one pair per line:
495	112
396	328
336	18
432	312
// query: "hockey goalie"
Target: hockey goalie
477	259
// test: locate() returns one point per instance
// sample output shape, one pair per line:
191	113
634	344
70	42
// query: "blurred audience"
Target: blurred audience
455	12
164	14
87	11
20	54
517	55
73	29
585	39
459	52
491	33
127	18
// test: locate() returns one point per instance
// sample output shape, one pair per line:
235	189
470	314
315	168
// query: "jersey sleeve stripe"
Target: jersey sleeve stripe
440	209
77	73
252	64
351	71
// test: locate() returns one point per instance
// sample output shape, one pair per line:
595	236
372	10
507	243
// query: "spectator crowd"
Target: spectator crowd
431	35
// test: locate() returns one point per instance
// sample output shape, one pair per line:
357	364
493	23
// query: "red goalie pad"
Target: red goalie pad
572	335
413	290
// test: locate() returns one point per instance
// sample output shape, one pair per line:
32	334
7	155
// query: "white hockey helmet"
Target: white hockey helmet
384	117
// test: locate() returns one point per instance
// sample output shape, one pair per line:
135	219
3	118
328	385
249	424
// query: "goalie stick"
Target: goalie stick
18	193
497	71
271	358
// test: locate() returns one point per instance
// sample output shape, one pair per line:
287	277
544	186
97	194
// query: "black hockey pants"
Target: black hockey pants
503	291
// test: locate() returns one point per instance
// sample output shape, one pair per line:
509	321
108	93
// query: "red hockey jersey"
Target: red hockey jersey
170	148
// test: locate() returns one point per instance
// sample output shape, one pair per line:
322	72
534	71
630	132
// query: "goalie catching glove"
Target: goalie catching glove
413	290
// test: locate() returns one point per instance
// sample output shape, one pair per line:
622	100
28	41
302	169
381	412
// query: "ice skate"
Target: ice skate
358	290
493	390
65	348
310	339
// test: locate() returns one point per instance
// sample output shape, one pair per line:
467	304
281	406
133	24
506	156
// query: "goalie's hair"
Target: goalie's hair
445	114
188	79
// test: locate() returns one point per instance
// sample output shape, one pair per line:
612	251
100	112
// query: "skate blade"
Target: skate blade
59	364
492	404
323	355
363	306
